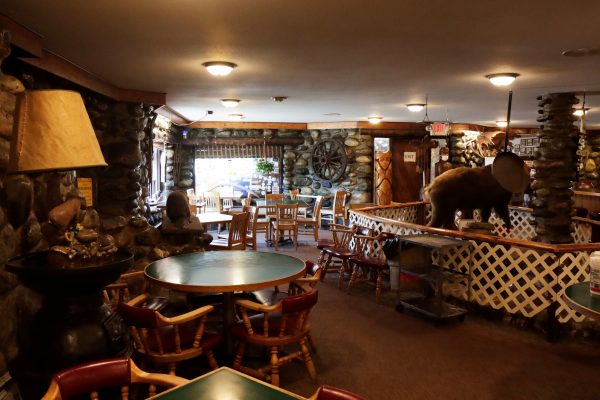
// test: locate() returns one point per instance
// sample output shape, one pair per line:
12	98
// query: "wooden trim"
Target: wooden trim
171	114
248	125
332	125
398	126
22	37
237	141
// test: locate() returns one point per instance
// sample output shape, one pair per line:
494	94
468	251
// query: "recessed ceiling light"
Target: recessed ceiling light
415	107
502	79
230	103
332	114
501	124
236	117
374	119
579	111
279	99
219	68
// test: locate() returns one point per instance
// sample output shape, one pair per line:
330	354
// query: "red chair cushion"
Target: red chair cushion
93	376
332	393
370	262
322	243
339	252
186	336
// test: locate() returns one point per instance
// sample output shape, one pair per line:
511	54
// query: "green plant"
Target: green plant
264	167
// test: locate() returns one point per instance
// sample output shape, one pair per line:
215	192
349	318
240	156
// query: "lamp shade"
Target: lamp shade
52	131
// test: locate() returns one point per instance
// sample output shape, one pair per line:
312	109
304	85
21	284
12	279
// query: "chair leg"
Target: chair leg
211	360
237	361
308	360
343	269
276	240
321	259
274	366
353	277
315	231
296	238
378	286
326	267
171	367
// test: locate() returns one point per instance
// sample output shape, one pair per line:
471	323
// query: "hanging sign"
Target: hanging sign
410	156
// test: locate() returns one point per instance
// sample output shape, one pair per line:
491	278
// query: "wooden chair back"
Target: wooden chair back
212	202
105	374
248	200
309	281
342	235
294	194
339	204
327	392
274	196
317	209
167	340
286	215
236	239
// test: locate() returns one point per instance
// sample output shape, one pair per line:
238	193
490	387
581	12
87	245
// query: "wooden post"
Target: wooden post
383	177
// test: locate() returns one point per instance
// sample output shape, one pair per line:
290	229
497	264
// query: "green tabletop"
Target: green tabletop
224	271
225	383
579	298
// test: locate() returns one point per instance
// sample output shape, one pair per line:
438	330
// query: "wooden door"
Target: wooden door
410	162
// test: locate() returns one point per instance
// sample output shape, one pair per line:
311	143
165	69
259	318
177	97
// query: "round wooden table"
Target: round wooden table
579	298
224	272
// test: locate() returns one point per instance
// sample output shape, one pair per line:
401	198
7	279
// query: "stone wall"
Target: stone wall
298	171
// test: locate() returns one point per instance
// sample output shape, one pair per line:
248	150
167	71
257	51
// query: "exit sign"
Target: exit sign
410	156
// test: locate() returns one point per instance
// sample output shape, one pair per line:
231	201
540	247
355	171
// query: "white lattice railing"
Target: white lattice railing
507	271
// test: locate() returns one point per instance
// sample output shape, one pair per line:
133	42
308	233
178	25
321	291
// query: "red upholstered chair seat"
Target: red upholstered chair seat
327	392
322	243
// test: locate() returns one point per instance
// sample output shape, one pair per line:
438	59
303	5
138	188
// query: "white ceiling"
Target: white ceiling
355	58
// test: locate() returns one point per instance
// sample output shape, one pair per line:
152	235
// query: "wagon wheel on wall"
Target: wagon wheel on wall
328	159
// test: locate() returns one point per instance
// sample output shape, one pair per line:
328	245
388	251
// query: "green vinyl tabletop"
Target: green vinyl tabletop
225	383
224	271
579	298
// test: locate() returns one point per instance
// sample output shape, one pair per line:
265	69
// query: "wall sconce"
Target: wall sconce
374	119
502	79
415	107
219	68
230	103
580	111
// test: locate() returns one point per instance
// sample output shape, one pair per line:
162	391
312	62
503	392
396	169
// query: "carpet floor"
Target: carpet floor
372	350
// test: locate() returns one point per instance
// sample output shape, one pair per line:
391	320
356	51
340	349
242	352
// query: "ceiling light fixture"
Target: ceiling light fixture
580	111
230	103
415	107
501	124
236	117
219	68
502	79
279	99
374	119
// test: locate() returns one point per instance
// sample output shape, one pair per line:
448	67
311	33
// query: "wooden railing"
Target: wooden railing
507	270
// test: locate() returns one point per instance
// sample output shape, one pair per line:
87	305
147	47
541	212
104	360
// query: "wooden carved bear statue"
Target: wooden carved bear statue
467	189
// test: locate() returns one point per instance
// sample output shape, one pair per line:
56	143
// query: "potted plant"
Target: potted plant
264	167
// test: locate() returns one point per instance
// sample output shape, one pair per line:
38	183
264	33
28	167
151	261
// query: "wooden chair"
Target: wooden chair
236	237
168	340
282	324
129	285
105	374
313	222
327	392
251	229
342	249
294	194
212	202
227	205
365	266
285	221
312	276
247	202
338	210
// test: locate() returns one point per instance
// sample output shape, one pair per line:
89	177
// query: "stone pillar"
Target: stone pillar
555	167
383	178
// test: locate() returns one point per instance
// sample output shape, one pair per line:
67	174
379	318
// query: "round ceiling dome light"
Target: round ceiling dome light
580	111
415	107
501	124
219	68
279	99
230	103
374	119
502	79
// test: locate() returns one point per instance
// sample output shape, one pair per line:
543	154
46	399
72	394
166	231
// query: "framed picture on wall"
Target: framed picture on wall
535	141
517	148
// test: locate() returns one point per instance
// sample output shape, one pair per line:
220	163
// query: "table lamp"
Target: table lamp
52	132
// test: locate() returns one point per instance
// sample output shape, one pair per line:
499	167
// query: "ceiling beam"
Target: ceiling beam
248	125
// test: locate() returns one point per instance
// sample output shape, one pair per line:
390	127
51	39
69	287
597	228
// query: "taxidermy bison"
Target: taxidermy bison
466	189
